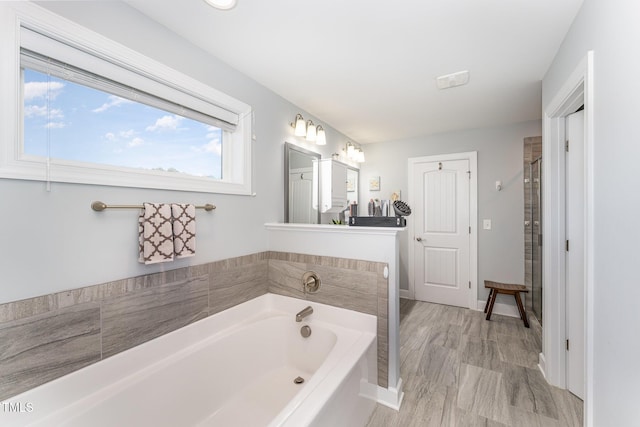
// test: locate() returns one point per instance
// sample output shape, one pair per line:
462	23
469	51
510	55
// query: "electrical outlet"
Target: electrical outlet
486	224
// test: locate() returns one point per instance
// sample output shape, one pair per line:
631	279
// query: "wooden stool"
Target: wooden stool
504	288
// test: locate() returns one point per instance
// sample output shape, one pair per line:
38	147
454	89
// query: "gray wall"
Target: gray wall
52	241
610	28
500	154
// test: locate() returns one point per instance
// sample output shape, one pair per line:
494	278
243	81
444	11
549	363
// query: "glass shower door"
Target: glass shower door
535	173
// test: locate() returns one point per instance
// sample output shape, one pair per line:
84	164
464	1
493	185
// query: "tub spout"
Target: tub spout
304	313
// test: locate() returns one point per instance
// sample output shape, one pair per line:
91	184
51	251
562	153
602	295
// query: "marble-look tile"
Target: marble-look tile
418	319
505	325
28	307
468	419
223	297
475	325
570	408
256	273
425	404
40	348
137	317
528	390
383	416
518	351
481	392
353	290
447	336
439	364
454	316
528	419
481	353
285	278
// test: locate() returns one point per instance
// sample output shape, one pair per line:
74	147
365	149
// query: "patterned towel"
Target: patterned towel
155	233
184	230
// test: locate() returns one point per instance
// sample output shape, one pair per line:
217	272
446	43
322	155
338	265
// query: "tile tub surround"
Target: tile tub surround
345	283
49	336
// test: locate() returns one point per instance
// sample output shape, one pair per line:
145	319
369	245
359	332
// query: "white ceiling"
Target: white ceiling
368	67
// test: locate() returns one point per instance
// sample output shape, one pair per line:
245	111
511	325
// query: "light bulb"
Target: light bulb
311	131
301	126
221	4
321	138
351	151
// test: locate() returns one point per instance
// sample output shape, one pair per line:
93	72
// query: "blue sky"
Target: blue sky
89	125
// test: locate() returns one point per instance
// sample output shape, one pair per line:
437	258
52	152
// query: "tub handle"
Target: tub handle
310	282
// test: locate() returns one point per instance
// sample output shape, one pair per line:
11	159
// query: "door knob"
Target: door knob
419	239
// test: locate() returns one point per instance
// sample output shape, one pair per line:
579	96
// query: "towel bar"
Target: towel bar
99	206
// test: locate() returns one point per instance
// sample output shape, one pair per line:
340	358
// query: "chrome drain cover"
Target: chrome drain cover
298	380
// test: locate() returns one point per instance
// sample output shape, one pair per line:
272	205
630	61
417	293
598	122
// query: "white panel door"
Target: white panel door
575	255
442	240
300	198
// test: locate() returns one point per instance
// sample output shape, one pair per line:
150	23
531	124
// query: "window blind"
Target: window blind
42	53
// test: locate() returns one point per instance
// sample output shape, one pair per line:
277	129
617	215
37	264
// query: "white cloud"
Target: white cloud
127	133
112	101
166	123
123	134
213	146
55	125
41	111
136	142
33	90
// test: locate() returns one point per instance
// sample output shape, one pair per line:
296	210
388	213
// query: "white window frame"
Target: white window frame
236	150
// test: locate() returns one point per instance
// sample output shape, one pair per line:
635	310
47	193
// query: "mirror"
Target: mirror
299	185
352	185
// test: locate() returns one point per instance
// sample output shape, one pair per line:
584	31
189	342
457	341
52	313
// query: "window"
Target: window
68	121
92	111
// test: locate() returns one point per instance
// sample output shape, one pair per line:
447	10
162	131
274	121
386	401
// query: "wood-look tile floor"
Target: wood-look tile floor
462	370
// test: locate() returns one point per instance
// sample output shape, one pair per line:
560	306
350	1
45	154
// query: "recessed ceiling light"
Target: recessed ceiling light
452	80
221	4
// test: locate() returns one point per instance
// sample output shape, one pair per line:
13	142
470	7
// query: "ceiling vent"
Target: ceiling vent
452	80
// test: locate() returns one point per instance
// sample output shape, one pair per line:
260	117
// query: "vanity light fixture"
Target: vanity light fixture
351	151
222	4
353	154
311	131
321	137
299	125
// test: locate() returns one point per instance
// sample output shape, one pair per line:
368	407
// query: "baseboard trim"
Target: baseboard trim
406	294
390	397
501	308
542	365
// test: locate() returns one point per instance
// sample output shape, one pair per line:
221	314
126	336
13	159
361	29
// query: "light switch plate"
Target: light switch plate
486	224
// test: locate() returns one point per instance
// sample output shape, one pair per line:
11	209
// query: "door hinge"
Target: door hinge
566	146
566	245
469	284
469	229
469	174
567	345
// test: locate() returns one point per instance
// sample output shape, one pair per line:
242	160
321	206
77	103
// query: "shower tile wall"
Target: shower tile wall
532	150
46	337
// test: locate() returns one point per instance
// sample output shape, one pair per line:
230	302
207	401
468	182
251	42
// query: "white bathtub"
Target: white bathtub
235	368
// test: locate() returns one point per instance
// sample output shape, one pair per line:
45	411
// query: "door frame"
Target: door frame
576	91
472	156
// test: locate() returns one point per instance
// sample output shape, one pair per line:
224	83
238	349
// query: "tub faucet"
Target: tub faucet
304	313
